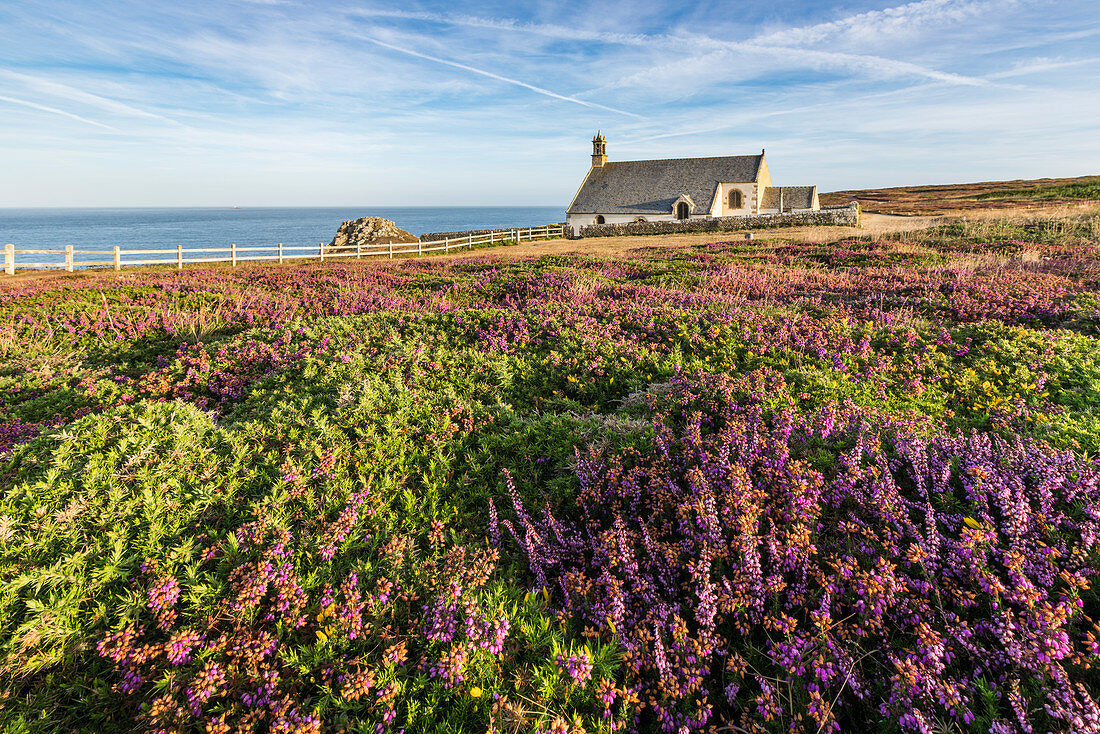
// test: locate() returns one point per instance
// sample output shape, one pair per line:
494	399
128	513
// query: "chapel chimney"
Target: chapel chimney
599	150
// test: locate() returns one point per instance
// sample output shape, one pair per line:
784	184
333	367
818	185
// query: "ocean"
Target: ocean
164	228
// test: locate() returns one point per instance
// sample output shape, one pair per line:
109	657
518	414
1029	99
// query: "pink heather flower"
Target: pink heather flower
181	645
578	667
494	525
164	594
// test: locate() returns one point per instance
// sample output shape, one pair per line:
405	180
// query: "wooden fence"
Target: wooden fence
238	253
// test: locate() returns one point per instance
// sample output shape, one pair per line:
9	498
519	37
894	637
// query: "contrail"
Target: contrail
498	77
79	95
759	44
44	108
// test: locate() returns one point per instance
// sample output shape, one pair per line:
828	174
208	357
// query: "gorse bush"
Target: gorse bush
734	487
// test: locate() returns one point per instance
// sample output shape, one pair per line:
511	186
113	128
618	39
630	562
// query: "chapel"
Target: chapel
670	189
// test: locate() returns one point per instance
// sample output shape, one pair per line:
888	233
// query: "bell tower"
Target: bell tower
599	150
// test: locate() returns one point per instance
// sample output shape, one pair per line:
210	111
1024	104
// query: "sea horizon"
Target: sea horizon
136	229
253	206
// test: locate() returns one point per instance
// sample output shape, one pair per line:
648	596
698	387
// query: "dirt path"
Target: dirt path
872	224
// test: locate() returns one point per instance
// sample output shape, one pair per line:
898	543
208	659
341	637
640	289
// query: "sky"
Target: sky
285	103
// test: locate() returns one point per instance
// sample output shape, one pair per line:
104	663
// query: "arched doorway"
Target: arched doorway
682	210
599	219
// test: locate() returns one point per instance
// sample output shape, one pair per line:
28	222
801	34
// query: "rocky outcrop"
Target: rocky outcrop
369	231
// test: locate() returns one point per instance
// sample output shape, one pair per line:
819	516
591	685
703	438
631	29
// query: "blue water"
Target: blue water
158	229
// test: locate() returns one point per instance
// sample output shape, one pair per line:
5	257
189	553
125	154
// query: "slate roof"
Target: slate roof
651	187
794	197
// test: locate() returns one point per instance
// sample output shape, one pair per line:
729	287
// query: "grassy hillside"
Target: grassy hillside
772	487
1070	191
911	200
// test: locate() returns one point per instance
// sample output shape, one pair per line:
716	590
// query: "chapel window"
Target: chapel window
735	199
682	210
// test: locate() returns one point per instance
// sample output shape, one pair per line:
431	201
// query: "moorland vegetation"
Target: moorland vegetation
743	486
978	198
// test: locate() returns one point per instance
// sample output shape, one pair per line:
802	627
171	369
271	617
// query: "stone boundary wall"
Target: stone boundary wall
435	236
845	216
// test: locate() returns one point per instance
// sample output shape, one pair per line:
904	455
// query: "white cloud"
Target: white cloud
877	27
573	32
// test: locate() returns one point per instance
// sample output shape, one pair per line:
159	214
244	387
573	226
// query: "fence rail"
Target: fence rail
244	253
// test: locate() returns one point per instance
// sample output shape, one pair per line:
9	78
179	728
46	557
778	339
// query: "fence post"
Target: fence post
69	258
419	247
280	253
446	244
179	257
391	250
9	259
359	250
469	241
321	251
233	253
118	258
